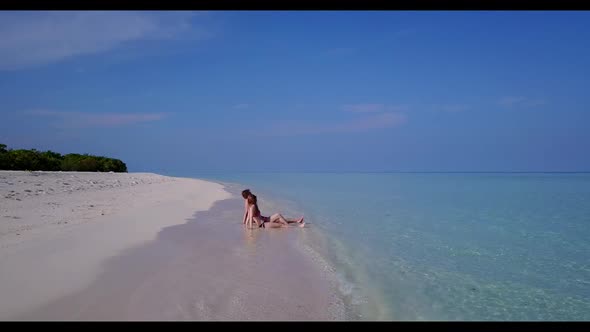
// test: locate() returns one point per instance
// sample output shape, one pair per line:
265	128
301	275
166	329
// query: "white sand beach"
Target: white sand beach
117	246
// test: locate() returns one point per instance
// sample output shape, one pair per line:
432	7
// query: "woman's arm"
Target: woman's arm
245	212
251	216
249	219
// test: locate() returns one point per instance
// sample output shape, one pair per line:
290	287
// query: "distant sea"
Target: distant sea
442	246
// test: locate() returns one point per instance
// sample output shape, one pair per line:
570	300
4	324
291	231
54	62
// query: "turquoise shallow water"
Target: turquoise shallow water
445	246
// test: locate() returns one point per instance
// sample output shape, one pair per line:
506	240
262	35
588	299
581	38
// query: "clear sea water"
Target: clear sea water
444	246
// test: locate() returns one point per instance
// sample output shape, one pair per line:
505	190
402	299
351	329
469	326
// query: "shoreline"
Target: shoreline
111	268
361	299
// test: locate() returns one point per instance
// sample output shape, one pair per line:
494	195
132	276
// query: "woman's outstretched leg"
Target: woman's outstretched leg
277	217
275	225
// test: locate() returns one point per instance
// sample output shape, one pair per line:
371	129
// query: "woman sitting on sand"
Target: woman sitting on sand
245	194
276	220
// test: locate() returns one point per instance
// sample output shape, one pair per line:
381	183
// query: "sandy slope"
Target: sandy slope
57	228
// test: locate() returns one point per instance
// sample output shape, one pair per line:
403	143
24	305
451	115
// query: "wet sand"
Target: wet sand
210	268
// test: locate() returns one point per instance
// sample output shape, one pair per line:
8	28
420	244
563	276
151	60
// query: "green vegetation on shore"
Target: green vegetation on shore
33	160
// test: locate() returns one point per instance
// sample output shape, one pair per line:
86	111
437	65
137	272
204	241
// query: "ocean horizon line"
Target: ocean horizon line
370	172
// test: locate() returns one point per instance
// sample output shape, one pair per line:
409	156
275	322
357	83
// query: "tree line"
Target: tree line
33	160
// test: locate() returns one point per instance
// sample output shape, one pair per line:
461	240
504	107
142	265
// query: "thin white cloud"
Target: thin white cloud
373	108
29	39
510	102
452	108
85	120
378	121
241	106
364	124
364	108
397	108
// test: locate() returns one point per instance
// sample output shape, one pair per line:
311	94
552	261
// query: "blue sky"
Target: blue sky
178	92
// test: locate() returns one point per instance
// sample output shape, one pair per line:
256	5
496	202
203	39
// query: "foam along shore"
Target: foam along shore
57	228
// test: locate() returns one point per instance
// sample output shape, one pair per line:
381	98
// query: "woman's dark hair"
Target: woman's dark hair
246	193
253	201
